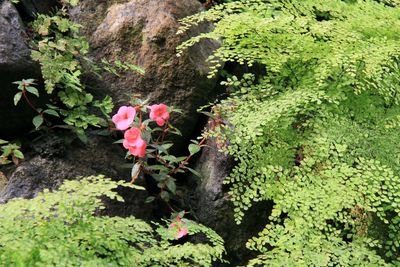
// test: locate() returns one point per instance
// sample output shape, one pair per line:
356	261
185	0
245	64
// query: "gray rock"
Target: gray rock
15	64
14	51
52	160
213	208
143	32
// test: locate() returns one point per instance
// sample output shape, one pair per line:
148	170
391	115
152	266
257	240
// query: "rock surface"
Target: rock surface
15	65
52	160
211	204
143	32
14	52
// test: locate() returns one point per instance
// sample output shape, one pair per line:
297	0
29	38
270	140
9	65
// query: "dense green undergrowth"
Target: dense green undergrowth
64	227
317	131
60	229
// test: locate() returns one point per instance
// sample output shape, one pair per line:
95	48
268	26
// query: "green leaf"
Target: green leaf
32	90
146	135
194	172
167	146
173	159
136	170
171	185
18	154
158	168
51	112
3	142
150	199
193	149
17	98
159	148
164	196
81	135
137	187
135	68
37	121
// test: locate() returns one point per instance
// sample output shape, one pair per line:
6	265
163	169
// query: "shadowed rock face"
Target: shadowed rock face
51	160
15	64
143	32
14	52
212	206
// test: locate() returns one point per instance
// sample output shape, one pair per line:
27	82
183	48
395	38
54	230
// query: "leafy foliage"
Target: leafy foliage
60	229
58	47
317	132
10	152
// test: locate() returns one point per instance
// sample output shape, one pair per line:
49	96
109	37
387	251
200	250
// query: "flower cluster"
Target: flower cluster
179	227
146	136
124	120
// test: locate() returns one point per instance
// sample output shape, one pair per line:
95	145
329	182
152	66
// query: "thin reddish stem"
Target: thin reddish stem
29	102
187	159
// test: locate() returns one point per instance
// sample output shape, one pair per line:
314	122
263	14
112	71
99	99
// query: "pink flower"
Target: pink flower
159	114
134	142
124	117
182	232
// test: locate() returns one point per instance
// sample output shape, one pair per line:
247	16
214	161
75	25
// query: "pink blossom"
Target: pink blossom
134	142
182	232
159	114
124	117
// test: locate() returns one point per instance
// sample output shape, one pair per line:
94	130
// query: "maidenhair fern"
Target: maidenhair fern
60	229
318	132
